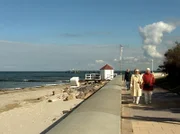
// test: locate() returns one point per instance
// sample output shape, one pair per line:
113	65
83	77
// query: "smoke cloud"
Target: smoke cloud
152	36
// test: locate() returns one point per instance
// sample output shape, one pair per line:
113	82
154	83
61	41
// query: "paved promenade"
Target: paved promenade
160	117
98	114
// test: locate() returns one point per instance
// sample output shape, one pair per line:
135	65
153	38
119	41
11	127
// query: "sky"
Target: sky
59	35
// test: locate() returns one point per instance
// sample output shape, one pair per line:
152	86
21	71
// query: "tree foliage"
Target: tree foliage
171	64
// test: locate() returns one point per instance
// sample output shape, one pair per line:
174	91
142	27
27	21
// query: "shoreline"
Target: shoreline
11	90
32	85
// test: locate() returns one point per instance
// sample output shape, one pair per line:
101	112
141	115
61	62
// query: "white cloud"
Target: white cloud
150	50
91	65
130	59
152	36
99	61
40	57
115	60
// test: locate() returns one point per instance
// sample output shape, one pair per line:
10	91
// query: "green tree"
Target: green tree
171	64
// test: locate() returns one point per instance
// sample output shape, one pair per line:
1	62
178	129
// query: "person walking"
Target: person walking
127	78
135	85
148	85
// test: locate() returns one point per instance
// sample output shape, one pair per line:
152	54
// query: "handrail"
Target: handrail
99	114
92	76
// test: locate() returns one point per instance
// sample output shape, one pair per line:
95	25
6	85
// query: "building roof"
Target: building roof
106	67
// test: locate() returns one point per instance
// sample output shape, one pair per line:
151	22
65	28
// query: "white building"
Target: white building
107	72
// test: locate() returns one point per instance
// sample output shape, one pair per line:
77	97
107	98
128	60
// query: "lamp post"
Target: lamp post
120	58
152	65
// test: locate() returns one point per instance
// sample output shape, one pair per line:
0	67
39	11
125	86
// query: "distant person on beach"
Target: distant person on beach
135	85
127	78
148	84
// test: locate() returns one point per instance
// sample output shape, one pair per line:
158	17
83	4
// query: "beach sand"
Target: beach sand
32	110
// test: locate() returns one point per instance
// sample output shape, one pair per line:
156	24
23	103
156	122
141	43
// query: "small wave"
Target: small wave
51	84
25	80
18	88
41	81
63	81
38	86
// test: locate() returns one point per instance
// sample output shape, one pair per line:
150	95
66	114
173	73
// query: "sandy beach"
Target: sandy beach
31	110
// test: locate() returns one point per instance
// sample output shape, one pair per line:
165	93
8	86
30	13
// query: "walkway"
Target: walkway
160	117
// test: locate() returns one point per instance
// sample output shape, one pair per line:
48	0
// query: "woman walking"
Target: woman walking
136	90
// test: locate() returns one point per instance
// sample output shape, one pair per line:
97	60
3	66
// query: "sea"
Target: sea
18	80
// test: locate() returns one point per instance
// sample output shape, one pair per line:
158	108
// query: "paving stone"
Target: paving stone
161	117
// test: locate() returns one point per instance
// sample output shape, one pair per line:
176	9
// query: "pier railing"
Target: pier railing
92	76
99	114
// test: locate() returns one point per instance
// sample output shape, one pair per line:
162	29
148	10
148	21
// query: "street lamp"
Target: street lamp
120	58
152	65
